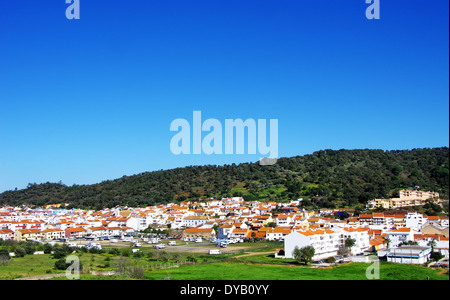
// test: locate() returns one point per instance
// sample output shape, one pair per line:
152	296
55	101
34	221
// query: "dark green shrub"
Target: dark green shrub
19	252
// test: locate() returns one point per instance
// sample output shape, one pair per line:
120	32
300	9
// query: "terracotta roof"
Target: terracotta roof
200	230
310	232
77	229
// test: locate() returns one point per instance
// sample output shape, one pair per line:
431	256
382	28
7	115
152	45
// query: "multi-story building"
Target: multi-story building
224	231
78	232
415	220
399	235
438	221
277	233
418	194
326	242
6	234
406	198
359	235
52	234
24	234
194	221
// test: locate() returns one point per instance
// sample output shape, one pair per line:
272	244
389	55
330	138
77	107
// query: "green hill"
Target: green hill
324	178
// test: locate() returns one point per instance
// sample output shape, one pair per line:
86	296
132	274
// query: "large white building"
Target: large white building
397	236
359	235
194	221
326	242
415	220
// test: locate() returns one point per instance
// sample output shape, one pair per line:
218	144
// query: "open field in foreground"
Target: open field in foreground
249	266
241	271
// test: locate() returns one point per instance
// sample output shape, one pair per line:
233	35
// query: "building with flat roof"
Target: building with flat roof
406	198
409	255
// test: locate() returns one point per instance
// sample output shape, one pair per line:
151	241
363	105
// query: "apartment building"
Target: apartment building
399	235
418	194
383	219
415	220
52	234
359	235
406	198
326	242
194	221
24	234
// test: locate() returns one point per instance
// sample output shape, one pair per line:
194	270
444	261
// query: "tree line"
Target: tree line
325	178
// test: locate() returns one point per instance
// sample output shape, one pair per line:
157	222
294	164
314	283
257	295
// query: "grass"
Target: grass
43	264
243	271
30	265
257	267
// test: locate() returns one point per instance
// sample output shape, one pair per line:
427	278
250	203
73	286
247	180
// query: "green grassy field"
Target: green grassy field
258	267
43	264
240	271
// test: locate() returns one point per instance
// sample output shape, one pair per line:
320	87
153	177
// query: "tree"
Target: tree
327	178
408	243
304	255
59	253
432	244
4	256
349	243
61	264
272	224
19	252
48	249
29	249
436	256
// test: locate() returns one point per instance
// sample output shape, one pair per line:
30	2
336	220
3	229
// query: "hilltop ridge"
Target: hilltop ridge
326	178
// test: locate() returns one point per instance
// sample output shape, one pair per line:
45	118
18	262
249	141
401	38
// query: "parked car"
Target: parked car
223	244
443	264
91	245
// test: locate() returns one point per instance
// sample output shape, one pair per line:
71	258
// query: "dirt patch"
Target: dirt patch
41	277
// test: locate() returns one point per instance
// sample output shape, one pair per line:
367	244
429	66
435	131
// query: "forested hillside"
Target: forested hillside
326	178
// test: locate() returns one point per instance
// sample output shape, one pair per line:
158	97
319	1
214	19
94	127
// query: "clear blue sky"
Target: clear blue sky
88	100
